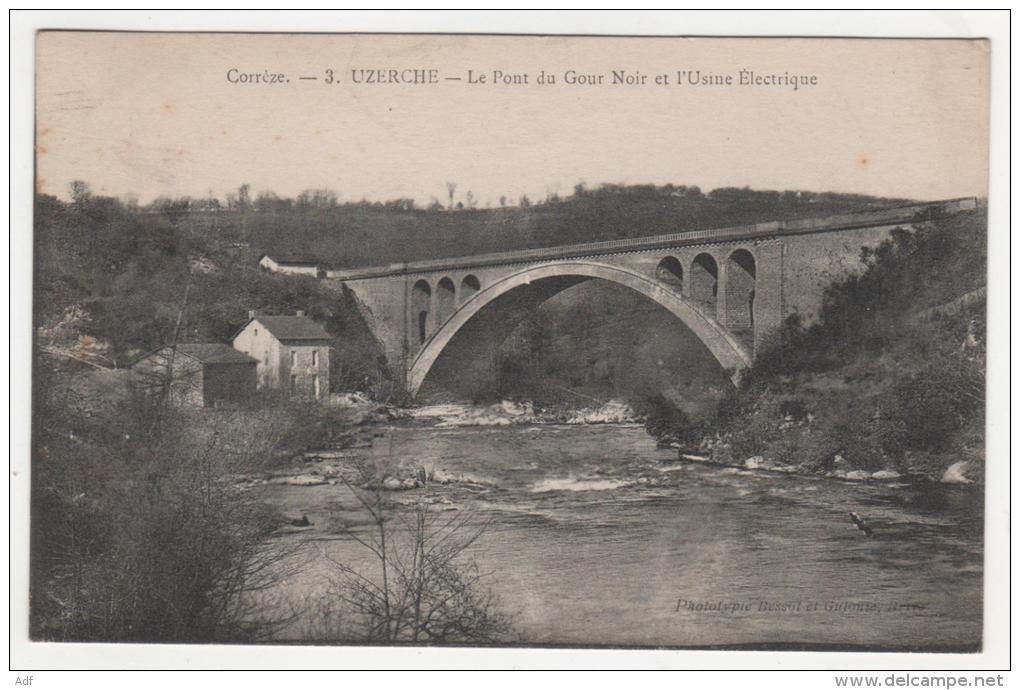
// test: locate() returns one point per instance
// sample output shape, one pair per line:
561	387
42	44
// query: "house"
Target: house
290	265
292	353
198	374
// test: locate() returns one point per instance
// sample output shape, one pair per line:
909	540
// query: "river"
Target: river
596	537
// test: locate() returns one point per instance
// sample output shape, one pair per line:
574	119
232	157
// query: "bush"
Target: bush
752	438
926	410
139	532
794	408
424	589
864	312
667	423
856	440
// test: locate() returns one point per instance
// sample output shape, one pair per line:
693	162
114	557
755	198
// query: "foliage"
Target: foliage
927	409
425	589
128	271
139	532
668	423
361	232
863	313
893	365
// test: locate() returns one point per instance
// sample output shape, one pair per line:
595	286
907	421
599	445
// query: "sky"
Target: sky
154	115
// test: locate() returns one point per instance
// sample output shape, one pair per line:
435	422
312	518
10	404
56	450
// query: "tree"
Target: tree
424	590
270	201
244	197
469	200
451	187
80	191
139	531
317	198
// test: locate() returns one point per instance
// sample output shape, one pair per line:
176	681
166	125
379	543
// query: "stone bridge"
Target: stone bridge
730	286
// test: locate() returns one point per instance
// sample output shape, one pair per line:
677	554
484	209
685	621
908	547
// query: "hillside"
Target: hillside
112	283
120	276
343	236
891	378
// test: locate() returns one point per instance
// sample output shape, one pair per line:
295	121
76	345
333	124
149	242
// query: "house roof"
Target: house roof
292	327
214	353
204	353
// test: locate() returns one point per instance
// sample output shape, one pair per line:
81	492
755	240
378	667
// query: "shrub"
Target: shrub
669	424
138	530
925	411
855	439
752	437
793	408
732	405
423	588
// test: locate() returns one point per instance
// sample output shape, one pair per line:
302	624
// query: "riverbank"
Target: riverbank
956	473
779	435
368	459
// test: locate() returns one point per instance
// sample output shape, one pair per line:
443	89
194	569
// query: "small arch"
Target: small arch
704	285
741	273
671	272
421	301
468	287
446	300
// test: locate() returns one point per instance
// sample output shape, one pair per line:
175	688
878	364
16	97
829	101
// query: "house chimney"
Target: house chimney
300	312
252	314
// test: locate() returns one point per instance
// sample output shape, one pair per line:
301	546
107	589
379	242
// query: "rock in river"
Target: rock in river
957	473
300	480
754	463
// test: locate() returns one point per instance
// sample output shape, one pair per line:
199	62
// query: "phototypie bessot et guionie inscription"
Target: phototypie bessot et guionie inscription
781	607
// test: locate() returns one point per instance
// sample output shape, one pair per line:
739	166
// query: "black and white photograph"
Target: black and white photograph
567	342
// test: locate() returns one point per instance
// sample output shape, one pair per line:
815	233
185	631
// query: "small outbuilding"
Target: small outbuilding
292	353
198	374
292	265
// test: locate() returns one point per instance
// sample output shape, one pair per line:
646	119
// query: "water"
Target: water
598	538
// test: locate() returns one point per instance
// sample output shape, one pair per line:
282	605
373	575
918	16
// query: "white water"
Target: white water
508	413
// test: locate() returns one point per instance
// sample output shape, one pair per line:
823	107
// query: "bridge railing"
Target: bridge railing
889	216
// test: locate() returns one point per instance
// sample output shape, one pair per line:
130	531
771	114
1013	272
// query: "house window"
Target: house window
315	358
293	358
256	331
293	384
315	385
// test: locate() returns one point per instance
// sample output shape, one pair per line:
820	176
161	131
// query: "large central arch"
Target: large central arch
509	297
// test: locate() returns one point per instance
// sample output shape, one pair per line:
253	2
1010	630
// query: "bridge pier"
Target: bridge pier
721	316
